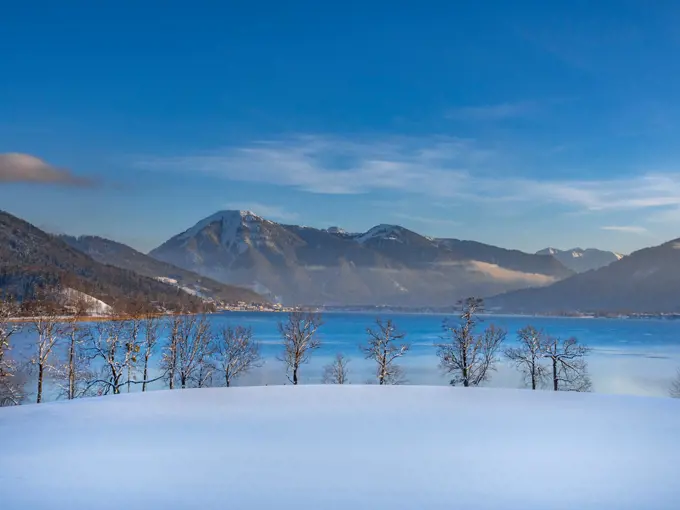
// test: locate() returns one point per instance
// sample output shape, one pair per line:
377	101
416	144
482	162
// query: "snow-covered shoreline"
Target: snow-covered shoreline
342	447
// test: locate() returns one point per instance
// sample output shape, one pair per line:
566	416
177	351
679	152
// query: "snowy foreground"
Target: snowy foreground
342	447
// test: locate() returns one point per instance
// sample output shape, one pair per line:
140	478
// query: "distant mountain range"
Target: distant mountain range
238	256
388	264
646	281
31	259
579	260
120	255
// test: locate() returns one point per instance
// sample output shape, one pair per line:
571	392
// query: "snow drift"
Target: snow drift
342	447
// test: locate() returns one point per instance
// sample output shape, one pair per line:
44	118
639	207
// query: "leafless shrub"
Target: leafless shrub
336	372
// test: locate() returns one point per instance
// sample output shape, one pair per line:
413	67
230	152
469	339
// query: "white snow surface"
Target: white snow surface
342	448
94	306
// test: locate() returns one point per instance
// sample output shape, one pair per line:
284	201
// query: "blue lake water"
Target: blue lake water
629	356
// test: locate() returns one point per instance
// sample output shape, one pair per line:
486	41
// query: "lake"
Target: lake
629	356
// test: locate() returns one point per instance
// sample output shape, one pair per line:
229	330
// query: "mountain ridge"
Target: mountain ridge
646	281
107	251
581	260
388	264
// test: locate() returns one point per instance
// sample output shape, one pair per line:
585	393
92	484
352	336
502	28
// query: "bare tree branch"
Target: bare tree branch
384	347
299	341
11	382
568	364
192	343
336	372
48	328
528	356
236	352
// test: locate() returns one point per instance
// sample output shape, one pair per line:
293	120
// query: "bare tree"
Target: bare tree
75	371
109	345
193	346
468	356
48	328
675	386
336	372
528	356
569	369
384	347
151	328
236	353
11	387
299	340
169	361
132	328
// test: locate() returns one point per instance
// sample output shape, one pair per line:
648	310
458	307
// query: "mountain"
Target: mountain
31	259
647	280
120	255
388	264
579	260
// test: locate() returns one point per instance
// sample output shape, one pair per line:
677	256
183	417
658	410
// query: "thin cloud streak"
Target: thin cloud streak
493	112
630	229
437	167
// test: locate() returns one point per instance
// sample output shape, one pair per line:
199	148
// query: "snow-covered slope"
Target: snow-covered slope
342	448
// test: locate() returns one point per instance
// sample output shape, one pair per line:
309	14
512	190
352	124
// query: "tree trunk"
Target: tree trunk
183	380
295	377
466	378
226	379
146	372
41	370
554	363
533	377
72	371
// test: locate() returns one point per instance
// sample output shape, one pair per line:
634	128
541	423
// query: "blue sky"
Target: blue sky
521	124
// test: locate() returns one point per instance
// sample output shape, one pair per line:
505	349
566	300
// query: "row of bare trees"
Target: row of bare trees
109	357
112	356
469	355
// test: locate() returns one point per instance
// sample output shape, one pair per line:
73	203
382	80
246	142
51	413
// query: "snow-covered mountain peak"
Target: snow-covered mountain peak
336	230
386	232
231	225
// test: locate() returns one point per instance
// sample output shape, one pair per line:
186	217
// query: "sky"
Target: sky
520	124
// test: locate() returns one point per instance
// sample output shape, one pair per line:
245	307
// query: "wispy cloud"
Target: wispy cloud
271	212
493	112
16	167
630	229
425	221
437	167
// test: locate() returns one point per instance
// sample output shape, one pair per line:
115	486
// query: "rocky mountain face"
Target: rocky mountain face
120	255
388	264
31	260
579	260
647	280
